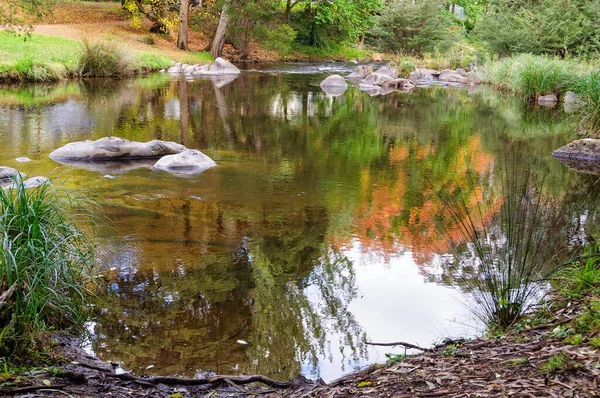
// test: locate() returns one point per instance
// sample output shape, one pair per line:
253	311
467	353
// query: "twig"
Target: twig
406	345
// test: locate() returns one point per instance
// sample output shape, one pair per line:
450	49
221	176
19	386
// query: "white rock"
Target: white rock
190	159
7	172
334	81
223	67
115	148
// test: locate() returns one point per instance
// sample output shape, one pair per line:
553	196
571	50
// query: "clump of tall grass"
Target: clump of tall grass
102	60
588	87
25	69
509	244
45	259
533	75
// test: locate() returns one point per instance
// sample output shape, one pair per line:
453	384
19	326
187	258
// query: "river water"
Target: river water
303	242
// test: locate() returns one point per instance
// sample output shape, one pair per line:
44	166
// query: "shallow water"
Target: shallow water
303	243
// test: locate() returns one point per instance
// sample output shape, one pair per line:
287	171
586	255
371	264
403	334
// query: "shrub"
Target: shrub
412	28
588	87
554	27
102	60
44	262
279	39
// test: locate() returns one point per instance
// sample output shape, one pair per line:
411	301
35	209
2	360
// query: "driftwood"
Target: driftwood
403	344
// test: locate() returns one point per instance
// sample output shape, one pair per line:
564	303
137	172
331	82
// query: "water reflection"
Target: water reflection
304	241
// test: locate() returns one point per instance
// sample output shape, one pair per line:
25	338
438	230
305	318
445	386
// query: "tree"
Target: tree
216	47
159	12
19	15
182	37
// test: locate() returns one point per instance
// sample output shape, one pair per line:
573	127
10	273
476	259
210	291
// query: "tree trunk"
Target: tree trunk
182	37
216	47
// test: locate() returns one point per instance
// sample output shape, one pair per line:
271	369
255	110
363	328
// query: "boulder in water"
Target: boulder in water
8	173
223	67
584	149
190	160
334	81
361	72
115	148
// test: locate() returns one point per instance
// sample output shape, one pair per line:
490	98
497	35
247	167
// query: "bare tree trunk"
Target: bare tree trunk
216	47
182	37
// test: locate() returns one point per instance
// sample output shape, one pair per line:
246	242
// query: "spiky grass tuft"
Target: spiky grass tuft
45	259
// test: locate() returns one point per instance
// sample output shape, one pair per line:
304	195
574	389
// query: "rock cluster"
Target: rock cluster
114	154
218	68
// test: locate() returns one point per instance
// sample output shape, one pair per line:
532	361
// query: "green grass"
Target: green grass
40	58
196	57
45	259
337	53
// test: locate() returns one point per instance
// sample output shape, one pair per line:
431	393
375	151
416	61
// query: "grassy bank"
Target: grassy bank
40	58
530	76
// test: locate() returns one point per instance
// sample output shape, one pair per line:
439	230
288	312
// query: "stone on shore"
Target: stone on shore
115	148
548	99
584	149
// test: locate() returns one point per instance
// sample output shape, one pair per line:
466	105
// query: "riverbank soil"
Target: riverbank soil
107	21
541	357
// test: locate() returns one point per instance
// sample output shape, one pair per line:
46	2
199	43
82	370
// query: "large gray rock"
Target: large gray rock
401	84
190	160
422	73
456	76
34	182
223	67
389	71
7	173
584	149
115	148
175	69
334	81
375	79
360	73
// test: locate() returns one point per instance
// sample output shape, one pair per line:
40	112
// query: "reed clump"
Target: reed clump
45	263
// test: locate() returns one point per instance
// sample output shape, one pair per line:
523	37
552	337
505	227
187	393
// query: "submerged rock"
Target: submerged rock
584	149
8	173
23	159
190	160
571	98
34	182
115	148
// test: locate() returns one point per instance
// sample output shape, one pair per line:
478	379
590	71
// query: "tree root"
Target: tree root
403	344
168	380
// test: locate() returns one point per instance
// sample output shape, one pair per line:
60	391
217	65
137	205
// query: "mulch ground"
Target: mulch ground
515	365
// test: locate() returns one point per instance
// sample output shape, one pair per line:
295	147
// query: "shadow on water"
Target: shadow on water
306	239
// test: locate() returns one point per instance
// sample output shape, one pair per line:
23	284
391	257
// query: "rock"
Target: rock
23	160
584	149
428	74
190	160
162	71
115	148
334	81
375	79
582	166
175	69
354	61
402	84
189	69
223	67
456	76
390	72
334	91
33	182
109	167
7	173
201	70
548	98
570	98
361	72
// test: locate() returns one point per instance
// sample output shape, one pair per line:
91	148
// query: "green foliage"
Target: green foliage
19	15
530	75
559	363
45	257
326	23
151	62
588	87
393	359
413	28
102	60
279	39
555	27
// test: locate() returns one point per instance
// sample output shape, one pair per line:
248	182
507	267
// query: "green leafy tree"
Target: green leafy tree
20	15
409	27
557	27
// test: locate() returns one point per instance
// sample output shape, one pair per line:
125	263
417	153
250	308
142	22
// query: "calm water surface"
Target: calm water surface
303	243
